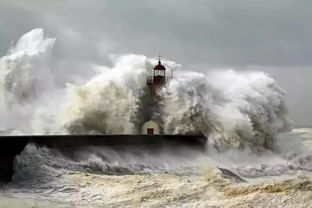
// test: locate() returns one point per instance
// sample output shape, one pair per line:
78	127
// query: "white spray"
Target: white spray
230	108
25	76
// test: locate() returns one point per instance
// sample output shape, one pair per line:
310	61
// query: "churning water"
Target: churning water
251	159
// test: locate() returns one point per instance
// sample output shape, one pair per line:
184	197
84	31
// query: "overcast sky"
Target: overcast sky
273	36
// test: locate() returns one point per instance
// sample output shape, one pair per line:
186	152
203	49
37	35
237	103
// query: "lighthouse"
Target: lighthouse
155	83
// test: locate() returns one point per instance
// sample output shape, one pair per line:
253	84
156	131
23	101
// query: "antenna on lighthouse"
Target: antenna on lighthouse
159	59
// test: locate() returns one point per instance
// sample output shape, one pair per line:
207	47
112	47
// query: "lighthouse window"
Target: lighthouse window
159	73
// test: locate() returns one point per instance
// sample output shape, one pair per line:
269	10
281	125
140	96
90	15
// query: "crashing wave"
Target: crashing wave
25	78
25	67
233	109
230	108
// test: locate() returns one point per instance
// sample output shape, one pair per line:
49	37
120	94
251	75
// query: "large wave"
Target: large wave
232	108
229	107
25	78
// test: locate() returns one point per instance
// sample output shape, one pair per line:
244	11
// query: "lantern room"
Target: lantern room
159	70
159	75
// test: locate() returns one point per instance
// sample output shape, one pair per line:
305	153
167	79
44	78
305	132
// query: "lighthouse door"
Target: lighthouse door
150	131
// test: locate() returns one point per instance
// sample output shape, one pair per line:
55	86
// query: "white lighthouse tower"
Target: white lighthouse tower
155	82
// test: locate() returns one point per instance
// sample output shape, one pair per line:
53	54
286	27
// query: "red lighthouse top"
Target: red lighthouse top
159	75
159	66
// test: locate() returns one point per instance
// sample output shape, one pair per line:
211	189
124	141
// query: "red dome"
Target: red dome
159	66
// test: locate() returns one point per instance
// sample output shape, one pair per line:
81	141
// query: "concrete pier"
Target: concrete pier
10	146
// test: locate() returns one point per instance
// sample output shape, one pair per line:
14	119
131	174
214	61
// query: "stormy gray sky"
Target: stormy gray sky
272	36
